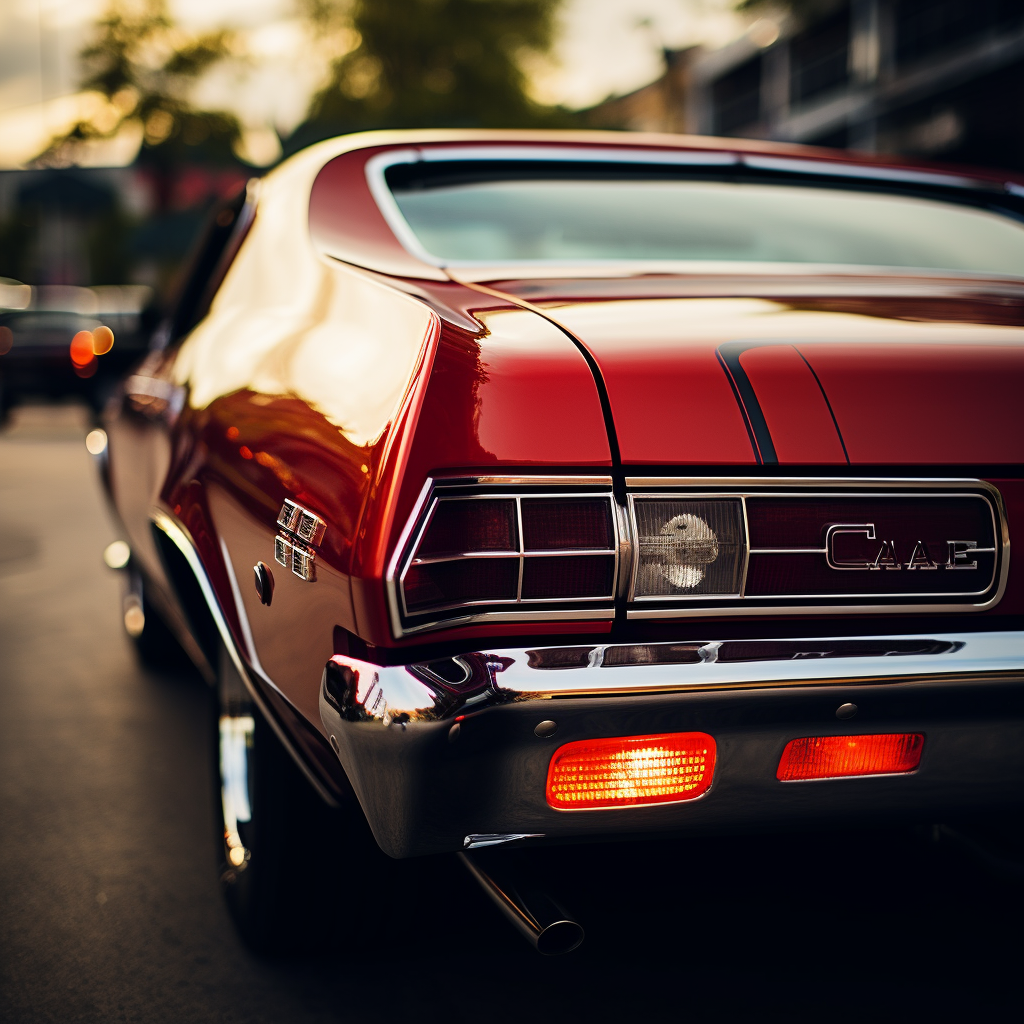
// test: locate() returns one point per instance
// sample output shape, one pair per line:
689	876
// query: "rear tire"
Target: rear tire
274	831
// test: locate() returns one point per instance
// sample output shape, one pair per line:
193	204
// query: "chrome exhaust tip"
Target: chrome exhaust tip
537	917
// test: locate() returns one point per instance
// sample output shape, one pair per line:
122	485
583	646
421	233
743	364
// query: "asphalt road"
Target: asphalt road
110	910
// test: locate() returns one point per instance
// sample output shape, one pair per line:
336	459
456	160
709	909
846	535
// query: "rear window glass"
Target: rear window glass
559	218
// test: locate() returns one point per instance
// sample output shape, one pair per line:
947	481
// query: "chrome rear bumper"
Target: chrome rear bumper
442	754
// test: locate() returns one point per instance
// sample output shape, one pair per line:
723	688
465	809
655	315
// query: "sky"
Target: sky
604	47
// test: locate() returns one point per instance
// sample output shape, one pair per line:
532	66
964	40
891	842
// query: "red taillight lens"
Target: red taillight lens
631	770
555	524
898	546
462	525
837	757
468	581
573	577
541	549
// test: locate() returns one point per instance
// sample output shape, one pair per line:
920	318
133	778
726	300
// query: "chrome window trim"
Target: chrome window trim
856	172
698	488
497	487
376	168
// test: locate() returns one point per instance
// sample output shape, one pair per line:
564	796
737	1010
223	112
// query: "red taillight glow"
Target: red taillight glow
837	757
83	358
626	771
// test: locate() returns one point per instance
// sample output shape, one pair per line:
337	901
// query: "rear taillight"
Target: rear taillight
723	548
511	552
837	757
629	770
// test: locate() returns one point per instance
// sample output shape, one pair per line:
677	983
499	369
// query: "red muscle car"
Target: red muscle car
524	487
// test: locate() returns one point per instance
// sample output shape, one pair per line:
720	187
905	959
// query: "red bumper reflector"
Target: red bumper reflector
836	757
628	770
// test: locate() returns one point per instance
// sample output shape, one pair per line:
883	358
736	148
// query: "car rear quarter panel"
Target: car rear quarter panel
298	383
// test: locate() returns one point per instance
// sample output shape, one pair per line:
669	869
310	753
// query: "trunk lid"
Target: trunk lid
869	372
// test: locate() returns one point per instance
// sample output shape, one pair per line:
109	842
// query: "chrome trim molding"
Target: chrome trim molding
501	675
478	842
178	535
880	483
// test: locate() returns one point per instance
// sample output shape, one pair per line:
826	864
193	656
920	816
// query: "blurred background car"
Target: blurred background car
58	342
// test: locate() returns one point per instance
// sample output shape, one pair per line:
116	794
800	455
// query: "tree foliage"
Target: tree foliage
431	63
145	66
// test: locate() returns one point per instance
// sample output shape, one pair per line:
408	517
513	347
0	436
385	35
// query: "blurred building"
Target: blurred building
940	79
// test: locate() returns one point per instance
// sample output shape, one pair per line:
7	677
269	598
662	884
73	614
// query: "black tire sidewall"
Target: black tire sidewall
273	898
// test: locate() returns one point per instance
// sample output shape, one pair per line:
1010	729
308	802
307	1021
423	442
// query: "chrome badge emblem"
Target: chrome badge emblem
955	554
301	531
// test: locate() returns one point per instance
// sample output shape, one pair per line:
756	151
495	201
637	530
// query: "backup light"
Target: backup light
688	547
626	771
837	757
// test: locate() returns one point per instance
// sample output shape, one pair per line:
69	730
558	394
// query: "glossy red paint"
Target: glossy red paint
923	372
518	394
912	404
345	222
670	398
505	389
793	405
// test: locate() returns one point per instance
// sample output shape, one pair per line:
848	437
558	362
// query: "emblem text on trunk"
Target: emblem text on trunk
956	553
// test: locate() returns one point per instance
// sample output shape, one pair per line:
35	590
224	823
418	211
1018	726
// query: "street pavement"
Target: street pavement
109	902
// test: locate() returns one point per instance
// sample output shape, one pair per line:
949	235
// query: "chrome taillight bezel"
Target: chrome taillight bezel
515	489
